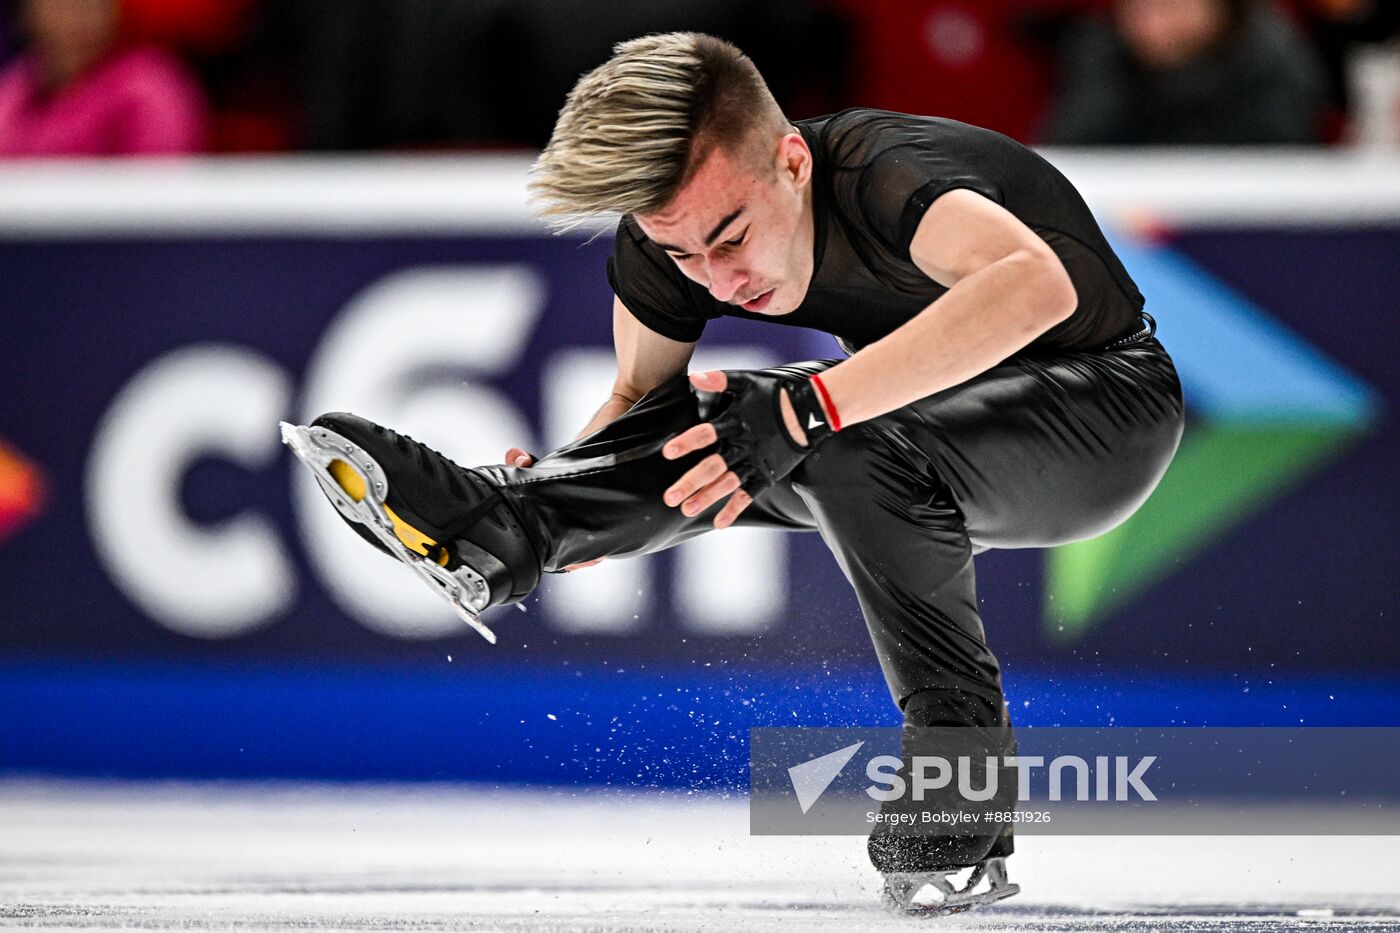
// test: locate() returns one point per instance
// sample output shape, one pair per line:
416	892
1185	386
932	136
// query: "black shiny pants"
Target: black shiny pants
1037	451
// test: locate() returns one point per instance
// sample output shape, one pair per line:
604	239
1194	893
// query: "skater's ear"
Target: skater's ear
794	159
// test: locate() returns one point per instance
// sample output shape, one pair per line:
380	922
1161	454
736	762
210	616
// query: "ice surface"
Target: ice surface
159	856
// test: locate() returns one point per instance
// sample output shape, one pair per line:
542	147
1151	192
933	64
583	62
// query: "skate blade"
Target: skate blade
958	904
901	889
328	455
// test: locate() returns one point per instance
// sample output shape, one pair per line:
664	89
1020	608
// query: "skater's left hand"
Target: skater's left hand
756	448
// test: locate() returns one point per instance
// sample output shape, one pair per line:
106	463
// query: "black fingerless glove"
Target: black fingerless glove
753	440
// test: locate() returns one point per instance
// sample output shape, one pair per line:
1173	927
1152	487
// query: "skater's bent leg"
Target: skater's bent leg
899	538
1031	453
956	726
901	542
601	496
1041	452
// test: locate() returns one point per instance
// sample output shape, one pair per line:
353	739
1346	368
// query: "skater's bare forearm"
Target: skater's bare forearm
1006	287
614	407
616	404
645	359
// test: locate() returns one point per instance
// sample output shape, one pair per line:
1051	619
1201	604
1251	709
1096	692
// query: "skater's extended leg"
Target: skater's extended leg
601	496
485	534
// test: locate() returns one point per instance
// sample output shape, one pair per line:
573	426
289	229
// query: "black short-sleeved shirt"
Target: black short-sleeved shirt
875	175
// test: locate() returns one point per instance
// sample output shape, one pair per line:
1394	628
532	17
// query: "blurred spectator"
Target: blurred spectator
986	62
247	79
77	90
198	27
1342	30
1184	72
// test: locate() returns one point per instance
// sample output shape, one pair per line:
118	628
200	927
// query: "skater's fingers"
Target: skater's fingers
732	509
712	381
695	479
517	457
692	439
587	563
711	494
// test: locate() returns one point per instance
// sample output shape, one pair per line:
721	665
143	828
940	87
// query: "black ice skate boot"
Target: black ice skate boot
933	863
914	847
453	526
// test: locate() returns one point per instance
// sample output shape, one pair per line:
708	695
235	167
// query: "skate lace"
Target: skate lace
434	464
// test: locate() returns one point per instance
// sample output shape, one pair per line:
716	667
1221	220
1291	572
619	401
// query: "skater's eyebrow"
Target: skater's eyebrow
714	234
719	227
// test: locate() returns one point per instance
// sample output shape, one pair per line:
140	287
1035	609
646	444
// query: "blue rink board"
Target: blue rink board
598	726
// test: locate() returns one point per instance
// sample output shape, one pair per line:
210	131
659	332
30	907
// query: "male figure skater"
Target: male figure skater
1003	386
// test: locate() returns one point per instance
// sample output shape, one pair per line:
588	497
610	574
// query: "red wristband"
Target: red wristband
826	400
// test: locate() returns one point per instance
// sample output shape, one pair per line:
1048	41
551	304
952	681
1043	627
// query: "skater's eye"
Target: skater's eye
728	244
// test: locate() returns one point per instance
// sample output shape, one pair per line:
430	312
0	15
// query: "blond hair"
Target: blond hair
634	129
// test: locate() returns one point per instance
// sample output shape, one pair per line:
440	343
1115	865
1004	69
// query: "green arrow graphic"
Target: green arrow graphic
1266	411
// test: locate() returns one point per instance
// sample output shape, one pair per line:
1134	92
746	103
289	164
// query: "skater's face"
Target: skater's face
742	225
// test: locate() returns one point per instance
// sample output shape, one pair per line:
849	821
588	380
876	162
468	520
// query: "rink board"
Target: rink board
176	604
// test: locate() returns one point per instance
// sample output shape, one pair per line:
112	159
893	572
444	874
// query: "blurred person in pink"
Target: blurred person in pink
78	90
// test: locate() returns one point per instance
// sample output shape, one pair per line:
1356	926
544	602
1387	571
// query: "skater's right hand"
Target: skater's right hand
517	457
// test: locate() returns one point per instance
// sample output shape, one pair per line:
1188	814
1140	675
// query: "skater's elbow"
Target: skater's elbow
1050	296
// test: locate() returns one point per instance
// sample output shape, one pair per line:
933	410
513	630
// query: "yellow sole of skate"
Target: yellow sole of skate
353	484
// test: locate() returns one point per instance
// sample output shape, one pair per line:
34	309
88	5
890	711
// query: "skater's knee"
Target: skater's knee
850	464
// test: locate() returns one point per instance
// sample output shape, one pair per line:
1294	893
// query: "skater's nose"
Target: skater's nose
727	279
